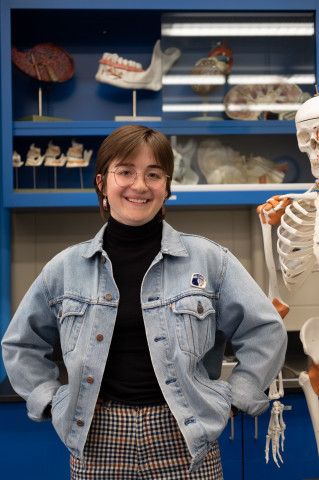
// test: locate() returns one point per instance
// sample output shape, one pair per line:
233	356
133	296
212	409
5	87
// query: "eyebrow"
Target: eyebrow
125	163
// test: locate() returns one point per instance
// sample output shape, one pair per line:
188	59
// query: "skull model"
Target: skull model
307	123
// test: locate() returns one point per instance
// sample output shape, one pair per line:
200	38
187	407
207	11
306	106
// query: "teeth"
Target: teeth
136	200
115	61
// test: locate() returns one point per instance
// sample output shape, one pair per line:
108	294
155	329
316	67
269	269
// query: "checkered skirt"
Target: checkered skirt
139	443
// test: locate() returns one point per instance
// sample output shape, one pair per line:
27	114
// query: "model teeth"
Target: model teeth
125	73
135	200
114	60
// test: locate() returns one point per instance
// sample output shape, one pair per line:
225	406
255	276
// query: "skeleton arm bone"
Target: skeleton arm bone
270	214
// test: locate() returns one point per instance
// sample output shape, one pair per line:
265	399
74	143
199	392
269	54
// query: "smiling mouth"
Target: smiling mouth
137	200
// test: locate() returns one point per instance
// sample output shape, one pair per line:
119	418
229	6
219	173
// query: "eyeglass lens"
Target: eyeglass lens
126	176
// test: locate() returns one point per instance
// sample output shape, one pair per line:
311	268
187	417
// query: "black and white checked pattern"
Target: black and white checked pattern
142	443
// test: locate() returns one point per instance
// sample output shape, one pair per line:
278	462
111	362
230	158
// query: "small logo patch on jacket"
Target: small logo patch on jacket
198	280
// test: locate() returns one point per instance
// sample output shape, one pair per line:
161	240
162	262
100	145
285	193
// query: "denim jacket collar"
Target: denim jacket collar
171	243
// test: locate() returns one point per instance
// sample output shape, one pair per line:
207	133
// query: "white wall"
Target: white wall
37	236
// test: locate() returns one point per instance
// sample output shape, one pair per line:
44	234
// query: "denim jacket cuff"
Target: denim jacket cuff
40	398
247	398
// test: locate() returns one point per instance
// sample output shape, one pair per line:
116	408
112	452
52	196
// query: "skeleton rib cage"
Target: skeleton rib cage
297	246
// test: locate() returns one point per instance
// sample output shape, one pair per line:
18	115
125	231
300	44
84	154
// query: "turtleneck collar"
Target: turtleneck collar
117	233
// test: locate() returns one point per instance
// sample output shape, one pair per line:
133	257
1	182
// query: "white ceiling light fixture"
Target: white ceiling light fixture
256	29
302	79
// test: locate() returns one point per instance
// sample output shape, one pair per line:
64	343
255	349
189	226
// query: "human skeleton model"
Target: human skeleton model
298	249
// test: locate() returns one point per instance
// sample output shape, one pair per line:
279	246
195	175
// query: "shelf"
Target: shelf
205	5
226	127
182	196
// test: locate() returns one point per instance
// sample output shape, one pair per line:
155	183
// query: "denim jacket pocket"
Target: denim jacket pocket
71	318
60	403
219	391
195	323
59	396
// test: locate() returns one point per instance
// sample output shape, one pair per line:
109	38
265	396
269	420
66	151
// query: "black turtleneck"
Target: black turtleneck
129	375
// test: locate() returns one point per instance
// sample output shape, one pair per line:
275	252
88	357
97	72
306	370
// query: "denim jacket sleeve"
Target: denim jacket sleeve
258	336
27	350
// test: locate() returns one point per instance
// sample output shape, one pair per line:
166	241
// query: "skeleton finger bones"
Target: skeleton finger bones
276	432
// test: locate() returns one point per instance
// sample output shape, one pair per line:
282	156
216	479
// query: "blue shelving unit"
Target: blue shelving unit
78	26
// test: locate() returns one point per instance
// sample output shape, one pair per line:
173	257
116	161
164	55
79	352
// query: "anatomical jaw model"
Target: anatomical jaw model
298	250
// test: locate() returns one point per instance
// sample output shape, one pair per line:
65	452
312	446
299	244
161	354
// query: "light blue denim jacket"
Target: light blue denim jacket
194	296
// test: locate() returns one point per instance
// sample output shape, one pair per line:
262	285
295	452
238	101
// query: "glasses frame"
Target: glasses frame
136	174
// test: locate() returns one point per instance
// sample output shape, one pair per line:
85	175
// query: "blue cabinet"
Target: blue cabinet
243	456
231	449
30	448
300	454
41	452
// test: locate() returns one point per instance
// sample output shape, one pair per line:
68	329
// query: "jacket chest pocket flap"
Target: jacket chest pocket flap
71	316
195	324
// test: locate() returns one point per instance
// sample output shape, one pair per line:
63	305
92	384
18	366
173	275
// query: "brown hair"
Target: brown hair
126	142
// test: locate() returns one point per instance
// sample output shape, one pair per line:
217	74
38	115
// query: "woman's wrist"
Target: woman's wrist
47	412
234	411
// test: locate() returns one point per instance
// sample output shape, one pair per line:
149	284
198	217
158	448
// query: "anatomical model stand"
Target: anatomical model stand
298	250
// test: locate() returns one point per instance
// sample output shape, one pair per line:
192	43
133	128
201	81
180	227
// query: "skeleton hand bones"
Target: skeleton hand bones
276	433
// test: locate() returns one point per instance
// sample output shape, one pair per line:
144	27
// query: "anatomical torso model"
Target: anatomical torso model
298	248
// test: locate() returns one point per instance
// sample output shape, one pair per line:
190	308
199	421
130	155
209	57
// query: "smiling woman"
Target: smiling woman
132	198
143	313
140	148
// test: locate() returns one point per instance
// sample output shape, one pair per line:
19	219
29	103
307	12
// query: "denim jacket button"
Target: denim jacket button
90	379
99	337
80	423
200	309
108	296
103	259
60	314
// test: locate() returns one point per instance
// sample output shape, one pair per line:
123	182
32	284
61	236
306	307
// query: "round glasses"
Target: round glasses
126	176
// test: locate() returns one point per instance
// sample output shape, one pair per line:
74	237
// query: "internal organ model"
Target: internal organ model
46	62
125	73
298	249
255	102
218	62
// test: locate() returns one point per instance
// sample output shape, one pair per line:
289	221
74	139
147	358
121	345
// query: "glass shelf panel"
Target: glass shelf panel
238	66
239	162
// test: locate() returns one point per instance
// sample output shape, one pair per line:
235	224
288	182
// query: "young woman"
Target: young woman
142	313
